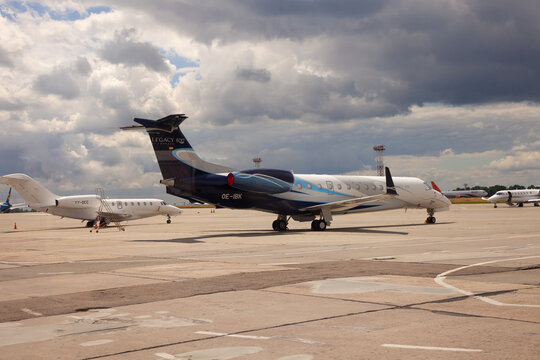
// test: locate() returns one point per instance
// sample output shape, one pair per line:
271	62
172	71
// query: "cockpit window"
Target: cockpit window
428	187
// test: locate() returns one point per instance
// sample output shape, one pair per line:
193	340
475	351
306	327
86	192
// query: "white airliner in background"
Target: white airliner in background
302	197
515	196
92	208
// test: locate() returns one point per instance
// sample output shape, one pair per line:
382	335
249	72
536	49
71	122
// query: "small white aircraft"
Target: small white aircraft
302	197
94	209
515	196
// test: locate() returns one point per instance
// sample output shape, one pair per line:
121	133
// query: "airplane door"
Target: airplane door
330	187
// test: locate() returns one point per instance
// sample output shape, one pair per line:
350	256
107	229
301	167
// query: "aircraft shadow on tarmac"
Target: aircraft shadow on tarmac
266	233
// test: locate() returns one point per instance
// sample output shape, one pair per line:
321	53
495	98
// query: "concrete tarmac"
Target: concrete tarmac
224	285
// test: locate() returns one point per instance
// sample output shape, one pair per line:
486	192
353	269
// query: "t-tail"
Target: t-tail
178	162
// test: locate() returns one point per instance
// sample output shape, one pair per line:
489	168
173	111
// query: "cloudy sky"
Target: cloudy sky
452	88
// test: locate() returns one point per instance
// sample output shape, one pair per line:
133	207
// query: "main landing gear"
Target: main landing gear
281	223
318	225
430	219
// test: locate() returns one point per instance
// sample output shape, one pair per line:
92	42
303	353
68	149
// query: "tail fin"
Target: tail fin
8	196
32	191
176	158
435	187
390	187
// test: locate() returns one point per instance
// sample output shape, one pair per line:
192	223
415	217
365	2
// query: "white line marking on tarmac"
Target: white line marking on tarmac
429	348
233	335
440	279
28	311
96	342
166	356
57	273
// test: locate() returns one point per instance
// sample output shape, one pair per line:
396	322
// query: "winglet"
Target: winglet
390	187
435	187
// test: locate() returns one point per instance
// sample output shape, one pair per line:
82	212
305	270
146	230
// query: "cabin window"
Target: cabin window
299	185
150	203
348	186
125	204
145	203
319	186
367	186
132	203
339	186
374	187
309	186
138	203
358	187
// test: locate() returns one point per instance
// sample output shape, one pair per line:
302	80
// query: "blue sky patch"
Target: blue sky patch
12	8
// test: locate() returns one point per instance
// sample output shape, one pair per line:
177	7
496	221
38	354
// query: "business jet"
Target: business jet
302	197
515	196
94	209
7	206
451	194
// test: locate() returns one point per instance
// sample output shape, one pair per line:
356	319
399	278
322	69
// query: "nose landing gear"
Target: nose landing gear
168	219
430	219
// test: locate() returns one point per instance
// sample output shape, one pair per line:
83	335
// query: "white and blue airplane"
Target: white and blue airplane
515	196
98	212
302	197
7	206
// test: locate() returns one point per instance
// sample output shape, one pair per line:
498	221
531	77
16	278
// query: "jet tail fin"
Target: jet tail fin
390	187
31	190
435	187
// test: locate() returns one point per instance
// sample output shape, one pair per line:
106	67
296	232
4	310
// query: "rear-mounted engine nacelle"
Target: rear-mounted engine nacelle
78	201
264	181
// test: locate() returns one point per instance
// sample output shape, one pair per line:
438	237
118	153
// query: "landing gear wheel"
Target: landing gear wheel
520	205
279	225
431	220
318	225
168	219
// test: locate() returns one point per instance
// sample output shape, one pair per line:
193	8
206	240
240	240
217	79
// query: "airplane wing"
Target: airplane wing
18	206
115	216
534	200
344	205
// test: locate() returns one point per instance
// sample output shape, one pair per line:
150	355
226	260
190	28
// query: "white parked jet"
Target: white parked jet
515	196
302	197
86	207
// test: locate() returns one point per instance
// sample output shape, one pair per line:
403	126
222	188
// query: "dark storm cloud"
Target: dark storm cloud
397	53
124	50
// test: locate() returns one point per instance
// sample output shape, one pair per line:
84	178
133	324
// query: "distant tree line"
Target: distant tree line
493	189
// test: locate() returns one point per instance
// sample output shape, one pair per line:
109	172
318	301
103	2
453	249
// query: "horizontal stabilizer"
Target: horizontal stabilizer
168	123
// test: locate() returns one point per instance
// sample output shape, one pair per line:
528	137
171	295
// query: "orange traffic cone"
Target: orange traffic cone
15	226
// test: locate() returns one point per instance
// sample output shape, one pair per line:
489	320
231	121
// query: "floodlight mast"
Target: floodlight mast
379	149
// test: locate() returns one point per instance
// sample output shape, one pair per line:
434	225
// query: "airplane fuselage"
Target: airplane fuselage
516	196
86	207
